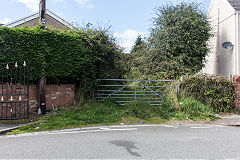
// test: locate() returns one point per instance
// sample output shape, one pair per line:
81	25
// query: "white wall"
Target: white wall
225	64
237	43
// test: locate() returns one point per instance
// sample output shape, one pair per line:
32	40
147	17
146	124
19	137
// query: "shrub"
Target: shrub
62	56
215	91
57	55
77	56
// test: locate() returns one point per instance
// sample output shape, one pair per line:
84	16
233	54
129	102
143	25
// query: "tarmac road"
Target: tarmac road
188	141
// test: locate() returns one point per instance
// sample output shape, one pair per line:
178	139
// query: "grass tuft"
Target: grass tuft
92	114
195	110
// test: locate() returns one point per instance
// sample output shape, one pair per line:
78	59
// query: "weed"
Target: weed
107	113
196	110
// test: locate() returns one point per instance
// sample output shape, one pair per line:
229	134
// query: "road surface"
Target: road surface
189	141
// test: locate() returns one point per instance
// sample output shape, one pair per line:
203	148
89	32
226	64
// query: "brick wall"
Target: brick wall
56	95
236	80
13	99
33	98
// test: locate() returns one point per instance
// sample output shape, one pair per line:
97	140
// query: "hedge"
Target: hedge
215	91
62	56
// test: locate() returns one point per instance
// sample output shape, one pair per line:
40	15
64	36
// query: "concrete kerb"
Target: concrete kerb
229	120
4	131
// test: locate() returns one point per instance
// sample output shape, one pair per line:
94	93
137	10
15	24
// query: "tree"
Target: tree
178	40
139	43
135	62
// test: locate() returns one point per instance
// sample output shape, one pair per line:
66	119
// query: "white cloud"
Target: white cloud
85	3
31	4
5	20
127	38
127	45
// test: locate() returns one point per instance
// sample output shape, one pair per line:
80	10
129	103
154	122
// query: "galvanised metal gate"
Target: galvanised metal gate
123	91
14	90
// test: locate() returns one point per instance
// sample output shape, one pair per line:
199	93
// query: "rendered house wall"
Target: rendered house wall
227	57
220	60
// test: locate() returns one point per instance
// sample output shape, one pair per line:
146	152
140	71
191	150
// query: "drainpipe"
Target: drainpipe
217	60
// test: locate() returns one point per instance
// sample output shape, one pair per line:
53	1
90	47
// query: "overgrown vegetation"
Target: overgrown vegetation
139	44
195	110
180	36
74	56
215	91
93	114
177	44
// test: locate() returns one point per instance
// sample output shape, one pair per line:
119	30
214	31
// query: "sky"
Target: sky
127	18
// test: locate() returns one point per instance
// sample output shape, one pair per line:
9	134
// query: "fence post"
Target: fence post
180	81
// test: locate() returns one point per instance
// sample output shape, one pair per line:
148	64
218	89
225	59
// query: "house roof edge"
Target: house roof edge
233	10
20	21
35	15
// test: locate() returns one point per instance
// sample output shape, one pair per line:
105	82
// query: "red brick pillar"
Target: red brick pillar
236	80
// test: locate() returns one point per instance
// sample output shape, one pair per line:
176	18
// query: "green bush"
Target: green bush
62	56
57	55
215	91
176	46
77	56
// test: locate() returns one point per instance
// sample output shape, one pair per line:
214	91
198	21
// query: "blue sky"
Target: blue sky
128	18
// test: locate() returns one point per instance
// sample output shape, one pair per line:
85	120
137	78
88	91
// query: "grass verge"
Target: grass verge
94	114
194	110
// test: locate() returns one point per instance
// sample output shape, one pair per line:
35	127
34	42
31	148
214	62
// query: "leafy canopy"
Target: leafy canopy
178	40
139	44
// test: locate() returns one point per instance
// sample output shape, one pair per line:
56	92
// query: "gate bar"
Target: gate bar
155	98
